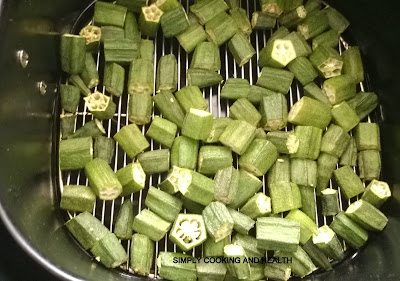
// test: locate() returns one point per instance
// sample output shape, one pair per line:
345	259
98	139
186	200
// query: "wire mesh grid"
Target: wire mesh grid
106	211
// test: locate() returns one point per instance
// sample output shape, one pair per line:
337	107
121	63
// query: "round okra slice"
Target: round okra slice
100	105
91	33
331	67
283	51
188	231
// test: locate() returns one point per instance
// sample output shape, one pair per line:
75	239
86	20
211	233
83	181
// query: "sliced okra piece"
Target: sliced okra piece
241	49
344	116
311	90
92	35
335	141
208	9
109	14
376	193
109	251
169	107
318	257
279	139
149	20
73	53
196	186
155	161
233	3
77	81
112	32
339	88
240	270
291	5
310	112
313	25
249	244
349	156
188	231
197	124
131	139
174	21
273	7
162	131
131	27
285	196
122	51
352	64
170	270
100	105
348	181
235	88
93	128
219	125
133	6
363	103
301	47
70	97
123	224
221	28
67	124
206	56
308	203
312	6
213	158
280	171
354	235
104	148
258	205
262	21
114	79
184	152
170	183
369	164
302	264
207	271
191	206
327	241
77	198
250	184
303	172
274	112
326	165
336	20
257	93
202	77
260	134
191	97
238	136
167	5
150	224
327	61
140	108
75	153
305	142
329	39
142	254
218	221
307	225
226	183
242	223
141	77
163	204
329	202
303	70
293	17
367	136
132	178
277	271
191	37
167	73
277	53
146	50
274	79
280	33
242	109
241	19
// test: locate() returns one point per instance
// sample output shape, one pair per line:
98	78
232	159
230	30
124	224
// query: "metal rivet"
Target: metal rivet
42	86
23	58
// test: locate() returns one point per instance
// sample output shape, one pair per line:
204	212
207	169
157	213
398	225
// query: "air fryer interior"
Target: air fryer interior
29	177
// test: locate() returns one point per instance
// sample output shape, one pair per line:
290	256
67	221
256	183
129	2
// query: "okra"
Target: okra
285	196
326	165
208	9
170	270
242	109
151	225
140	108
303	172
188	231
213	158
109	14
238	136
93	128
369	164
274	79
112	32
303	70
277	271
363	103
329	39
308	201
196	186
191	37
214	249
258	205
280	33
249	244
142	253
242	223
206	56
327	241
249	184
162	130
219	125
327	61
349	231
114	79
131	27
104	148
100	105
335	141
349	156
155	161
174	21
274	112
167	73
262	21
218	221
213	271
235	88
257	93
301	264
202	77
132	178
311	90
344	116
348	181
77	198
293	17
313	25
191	97
329	202
305	143
75	153
273	7
133	6
279	139
221	28
73	53
122	51
318	257
367	136
131	140
310	112
312	6
170	182
301	47
109	251
77	81
307	225
163	204
241	19
260	134
149	20
92	35
141	77
70	97
184	152
339	88
197	124
280	171
67	125
376	193
169	107
277	53
290	5
336	20
146	50
167	5
123	225
241	49
226	183
240	270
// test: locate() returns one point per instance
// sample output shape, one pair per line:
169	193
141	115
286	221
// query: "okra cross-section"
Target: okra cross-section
376	193
277	53
327	241
101	106
92	35
150	224
188	231
218	221
327	60
149	20
238	135
257	206
131	139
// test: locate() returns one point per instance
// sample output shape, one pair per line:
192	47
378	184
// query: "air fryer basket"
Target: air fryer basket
29	176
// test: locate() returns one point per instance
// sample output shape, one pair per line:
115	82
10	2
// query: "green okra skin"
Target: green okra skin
123	224
191	97
349	156
102	179
279	139
188	231
109	14
317	256
376	193
167	73
249	244
274	112
327	61
163	204
329	202
207	271
155	161
75	153
301	264
260	134
285	196
218	221
162	131
349	231
92	35
348	181
219	125
208	9
259	205
191	206
191	37
369	164
328	39
149	20
291	5
335	141
167	5
292	17
249	184
259	157
67	125
104	148
197	124
226	184
235	88
214	249
196	186
146	49
242	109
93	128
344	116
77	81
305	142
101	106
301	47
311	90
122	51
70	97
141	77
277	271
238	136
174	21
131	27
131	139
87	229
280	33
151	225
221	28
257	93
239	270
77	198
326	165
213	158
109	251
184	152
170	182
280	171
262	21
303	70
142	254
303	172
241	49
241	223
367	136
273	7
114	79
233	3
206	56
310	112
312	6
140	108
308	201
336	20
339	88
133	6
327	241
241	19
170	270
169	107
363	103
277	53
73	53
112	32
202	77
132	178
307	225
313	25
274	79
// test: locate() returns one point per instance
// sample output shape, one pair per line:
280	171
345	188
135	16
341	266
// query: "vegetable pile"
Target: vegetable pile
331	139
